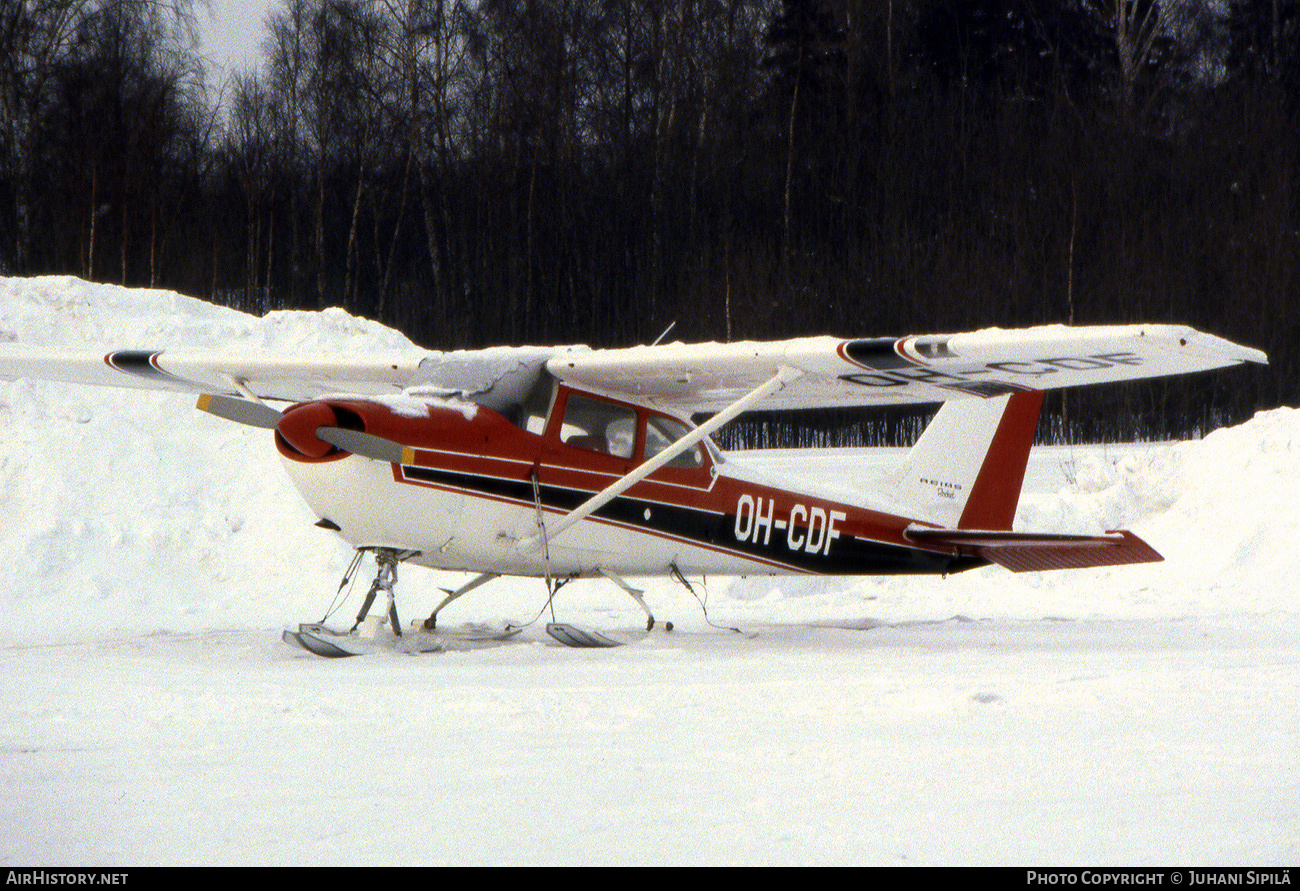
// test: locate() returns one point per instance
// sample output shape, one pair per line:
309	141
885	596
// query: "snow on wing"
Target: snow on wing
883	371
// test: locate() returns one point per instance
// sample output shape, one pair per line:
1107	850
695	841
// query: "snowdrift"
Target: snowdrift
128	512
1127	716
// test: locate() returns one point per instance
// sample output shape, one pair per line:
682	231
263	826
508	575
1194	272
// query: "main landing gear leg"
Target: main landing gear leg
385	579
431	623
574	636
635	594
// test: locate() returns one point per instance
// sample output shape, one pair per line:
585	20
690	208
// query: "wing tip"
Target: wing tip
1233	353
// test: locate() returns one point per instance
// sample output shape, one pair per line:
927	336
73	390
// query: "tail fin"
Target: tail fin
966	470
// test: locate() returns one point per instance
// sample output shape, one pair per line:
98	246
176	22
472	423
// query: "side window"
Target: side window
599	426
660	433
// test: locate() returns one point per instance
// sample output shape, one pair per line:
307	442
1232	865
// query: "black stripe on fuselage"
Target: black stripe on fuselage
848	555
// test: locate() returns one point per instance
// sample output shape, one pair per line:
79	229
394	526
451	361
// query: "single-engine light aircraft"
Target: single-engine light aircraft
567	462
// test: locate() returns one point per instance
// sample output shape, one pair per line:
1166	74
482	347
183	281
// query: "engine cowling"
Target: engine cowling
295	434
389	425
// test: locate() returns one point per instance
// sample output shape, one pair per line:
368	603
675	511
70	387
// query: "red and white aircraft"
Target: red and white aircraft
564	462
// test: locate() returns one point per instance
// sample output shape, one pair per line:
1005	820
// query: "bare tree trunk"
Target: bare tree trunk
531	223
349	281
726	291
153	243
94	214
270	253
430	232
789	167
126	223
251	238
387	271
320	233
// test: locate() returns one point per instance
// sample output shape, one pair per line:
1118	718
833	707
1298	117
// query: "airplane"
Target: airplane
566	462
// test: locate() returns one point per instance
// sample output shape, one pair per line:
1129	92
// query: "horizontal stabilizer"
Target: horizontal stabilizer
1035	552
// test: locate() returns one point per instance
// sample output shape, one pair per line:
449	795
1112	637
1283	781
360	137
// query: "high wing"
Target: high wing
815	372
882	371
293	379
494	377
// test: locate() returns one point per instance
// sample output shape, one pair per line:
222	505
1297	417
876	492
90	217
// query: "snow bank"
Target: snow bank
128	512
66	311
1220	510
1163	733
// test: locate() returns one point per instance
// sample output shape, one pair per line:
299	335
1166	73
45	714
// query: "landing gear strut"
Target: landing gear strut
431	623
385	579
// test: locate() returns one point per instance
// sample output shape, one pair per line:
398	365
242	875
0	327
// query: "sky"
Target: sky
232	31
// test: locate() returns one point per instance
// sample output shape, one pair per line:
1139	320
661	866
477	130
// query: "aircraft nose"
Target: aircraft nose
295	434
327	431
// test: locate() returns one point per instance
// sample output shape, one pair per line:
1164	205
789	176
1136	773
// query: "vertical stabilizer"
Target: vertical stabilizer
966	470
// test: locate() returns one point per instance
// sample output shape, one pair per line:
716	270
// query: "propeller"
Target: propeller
365	444
257	414
241	411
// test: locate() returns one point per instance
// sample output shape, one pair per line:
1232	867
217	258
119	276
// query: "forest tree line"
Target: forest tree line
477	172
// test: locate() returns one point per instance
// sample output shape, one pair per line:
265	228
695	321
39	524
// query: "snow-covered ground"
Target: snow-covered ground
150	714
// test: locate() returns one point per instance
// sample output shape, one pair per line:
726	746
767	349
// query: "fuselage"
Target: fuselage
475	491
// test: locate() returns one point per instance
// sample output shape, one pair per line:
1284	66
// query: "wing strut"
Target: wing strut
608	494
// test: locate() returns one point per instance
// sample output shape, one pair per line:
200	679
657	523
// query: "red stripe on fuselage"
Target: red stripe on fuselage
787	524
484	456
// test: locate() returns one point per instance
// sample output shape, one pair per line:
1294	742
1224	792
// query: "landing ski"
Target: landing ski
584	638
316	638
313	644
328	643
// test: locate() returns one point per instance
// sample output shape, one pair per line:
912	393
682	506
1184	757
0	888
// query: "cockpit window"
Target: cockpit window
660	433
599	426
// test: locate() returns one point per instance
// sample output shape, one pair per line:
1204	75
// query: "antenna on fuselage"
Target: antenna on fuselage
665	334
